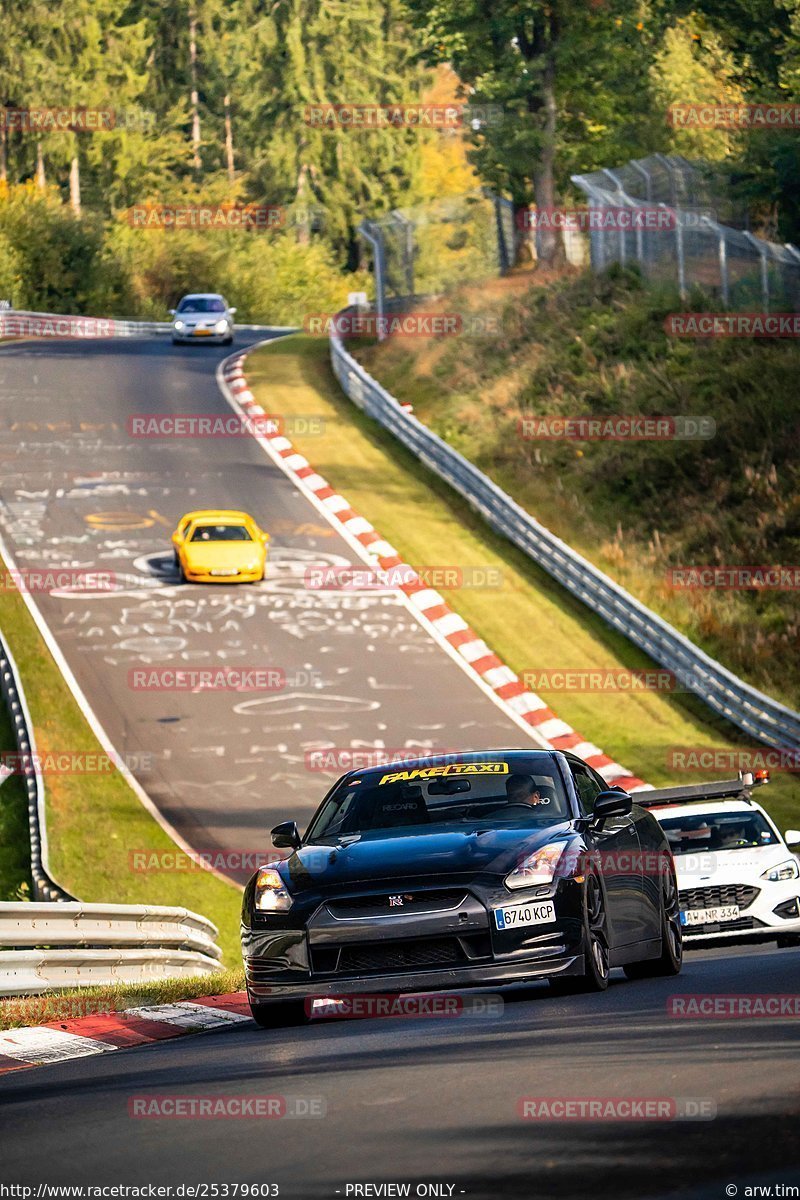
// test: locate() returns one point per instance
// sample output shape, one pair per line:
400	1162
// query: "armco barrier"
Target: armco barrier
18	323
744	706
44	886
71	944
44	946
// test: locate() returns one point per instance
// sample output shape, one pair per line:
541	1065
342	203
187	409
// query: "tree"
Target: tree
565	73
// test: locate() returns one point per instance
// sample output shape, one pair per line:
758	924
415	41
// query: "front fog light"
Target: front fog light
271	894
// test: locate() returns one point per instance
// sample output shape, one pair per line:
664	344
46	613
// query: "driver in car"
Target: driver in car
520	789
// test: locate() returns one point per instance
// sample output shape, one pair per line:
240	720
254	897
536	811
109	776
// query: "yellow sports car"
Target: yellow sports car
219	546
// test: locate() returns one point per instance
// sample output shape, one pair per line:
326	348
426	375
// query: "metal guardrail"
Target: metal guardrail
70	944
18	323
45	887
44	946
744	706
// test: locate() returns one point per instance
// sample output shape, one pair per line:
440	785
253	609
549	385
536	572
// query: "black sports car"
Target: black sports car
482	868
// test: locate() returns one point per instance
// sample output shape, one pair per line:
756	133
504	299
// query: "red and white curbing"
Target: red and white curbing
546	728
78	1037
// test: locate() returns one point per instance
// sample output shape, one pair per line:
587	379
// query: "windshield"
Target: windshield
494	792
220	533
717	831
202	304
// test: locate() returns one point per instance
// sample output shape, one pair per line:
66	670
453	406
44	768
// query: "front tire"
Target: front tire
595	945
279	1015
670	959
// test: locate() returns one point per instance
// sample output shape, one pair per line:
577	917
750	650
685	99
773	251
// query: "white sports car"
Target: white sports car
203	316
737	878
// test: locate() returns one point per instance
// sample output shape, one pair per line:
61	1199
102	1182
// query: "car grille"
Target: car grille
714	897
433	900
363	958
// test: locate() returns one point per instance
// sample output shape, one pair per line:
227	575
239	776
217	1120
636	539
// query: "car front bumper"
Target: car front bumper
239	577
216	339
326	954
758	921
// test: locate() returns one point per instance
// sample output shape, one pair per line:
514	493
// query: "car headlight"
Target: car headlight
271	894
785	870
221	326
542	866
179	324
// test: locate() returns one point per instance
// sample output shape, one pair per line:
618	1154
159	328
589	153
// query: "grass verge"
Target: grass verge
17	1013
529	621
95	821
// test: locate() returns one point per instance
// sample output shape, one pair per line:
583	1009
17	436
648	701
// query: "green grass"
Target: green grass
95	821
596	345
78	1002
530	622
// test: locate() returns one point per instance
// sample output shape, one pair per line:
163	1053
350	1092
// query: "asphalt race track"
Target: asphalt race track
435	1100
78	490
430	1103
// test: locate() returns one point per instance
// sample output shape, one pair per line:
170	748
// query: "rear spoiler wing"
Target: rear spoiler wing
719	789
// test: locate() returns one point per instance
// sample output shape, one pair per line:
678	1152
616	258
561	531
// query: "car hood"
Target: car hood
728	866
448	855
221	555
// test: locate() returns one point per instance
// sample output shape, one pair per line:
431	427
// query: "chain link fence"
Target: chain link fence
431	248
682	229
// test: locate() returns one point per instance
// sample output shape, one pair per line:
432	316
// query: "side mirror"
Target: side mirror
286	836
792	837
171	311
611	804
264	537
232	311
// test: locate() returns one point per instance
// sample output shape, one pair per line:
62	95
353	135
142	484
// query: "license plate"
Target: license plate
202	333
709	916
223	572
525	914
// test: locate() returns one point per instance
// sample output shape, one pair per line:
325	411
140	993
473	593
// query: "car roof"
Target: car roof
202	296
712	808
